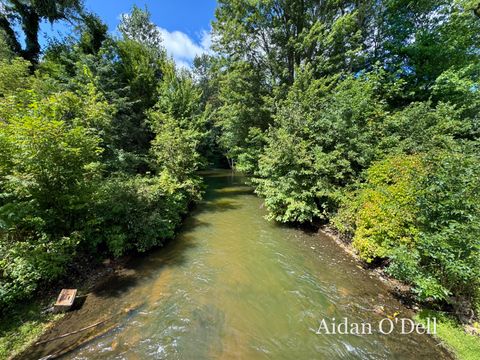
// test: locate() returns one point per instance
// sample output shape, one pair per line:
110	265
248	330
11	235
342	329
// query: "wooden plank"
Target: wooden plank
66	298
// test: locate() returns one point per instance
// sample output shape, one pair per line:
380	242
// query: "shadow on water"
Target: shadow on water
233	191
104	301
219	206
115	286
222	192
145	265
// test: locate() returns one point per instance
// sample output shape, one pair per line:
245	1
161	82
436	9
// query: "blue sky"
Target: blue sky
185	24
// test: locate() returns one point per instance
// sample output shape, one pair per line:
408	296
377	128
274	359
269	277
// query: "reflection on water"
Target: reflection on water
234	286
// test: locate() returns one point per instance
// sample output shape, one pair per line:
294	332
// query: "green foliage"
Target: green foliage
138	27
420	127
5	52
93	32
321	141
178	125
384	209
127	72
175	148
48	166
142	69
288	173
242	109
421	213
14	75
446	260
461	88
136	213
279	36
26	264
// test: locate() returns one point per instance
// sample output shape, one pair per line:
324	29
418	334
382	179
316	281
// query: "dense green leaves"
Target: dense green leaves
423	214
136	213
319	143
242	110
449	217
98	151
355	112
48	168
363	114
382	214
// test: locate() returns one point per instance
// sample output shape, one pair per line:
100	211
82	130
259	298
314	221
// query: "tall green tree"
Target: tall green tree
420	40
280	35
242	114
138	27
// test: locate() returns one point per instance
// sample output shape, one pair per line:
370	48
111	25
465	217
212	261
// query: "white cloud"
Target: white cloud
181	64
182	48
206	40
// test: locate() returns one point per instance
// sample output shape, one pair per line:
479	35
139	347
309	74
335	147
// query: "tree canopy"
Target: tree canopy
358	115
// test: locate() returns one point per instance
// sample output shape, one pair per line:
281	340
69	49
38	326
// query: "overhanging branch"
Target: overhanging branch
10	34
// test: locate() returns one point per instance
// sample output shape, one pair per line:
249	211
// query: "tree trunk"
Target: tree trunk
30	26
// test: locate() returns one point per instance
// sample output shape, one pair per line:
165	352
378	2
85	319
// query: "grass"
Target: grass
453	336
22	327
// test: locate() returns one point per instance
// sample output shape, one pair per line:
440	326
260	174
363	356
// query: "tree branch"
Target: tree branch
10	34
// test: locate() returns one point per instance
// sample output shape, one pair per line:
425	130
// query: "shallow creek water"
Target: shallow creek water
235	286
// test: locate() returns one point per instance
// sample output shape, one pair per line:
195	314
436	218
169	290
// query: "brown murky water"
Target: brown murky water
234	286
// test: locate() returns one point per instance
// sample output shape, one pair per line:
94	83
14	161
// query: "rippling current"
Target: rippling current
235	286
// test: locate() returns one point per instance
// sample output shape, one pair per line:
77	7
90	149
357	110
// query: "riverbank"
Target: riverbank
21	327
233	285
29	323
223	287
462	340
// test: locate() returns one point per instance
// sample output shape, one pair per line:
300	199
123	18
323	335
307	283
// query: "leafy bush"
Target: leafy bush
47	168
136	213
14	74
286	179
423	214
446	259
321	141
420	127
27	263
385	215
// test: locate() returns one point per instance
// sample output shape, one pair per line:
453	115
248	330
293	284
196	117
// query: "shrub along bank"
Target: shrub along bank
90	162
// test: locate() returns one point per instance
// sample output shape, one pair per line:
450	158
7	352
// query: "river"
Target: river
235	286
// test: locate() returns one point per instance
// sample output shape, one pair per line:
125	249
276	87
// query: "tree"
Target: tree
49	163
277	36
178	125
93	32
323	136
29	15
242	109
420	40
138	27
